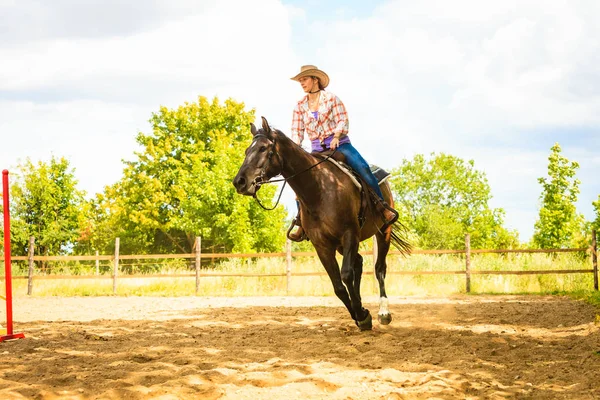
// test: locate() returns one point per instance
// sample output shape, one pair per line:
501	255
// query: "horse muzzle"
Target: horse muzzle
245	186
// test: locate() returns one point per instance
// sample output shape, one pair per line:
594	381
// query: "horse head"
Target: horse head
261	162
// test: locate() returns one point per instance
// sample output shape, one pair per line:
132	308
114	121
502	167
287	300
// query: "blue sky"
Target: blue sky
496	82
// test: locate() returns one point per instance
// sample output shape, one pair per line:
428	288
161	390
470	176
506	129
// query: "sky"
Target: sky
494	82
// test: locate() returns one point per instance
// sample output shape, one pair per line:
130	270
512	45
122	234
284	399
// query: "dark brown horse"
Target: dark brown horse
330	205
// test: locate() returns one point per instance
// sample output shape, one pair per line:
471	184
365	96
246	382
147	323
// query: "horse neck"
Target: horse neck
298	165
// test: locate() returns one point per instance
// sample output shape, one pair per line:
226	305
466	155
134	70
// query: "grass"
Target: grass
580	285
592	297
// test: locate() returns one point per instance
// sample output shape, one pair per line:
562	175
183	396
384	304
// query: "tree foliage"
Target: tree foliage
443	198
559	225
596	222
45	203
180	186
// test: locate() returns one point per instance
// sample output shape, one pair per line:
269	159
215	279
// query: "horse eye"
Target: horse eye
262	149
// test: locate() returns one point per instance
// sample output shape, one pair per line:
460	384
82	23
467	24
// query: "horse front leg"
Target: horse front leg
358	269
327	257
351	278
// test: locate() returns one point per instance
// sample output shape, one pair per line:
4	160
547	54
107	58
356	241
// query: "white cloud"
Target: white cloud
473	79
30	20
295	13
85	96
94	136
218	46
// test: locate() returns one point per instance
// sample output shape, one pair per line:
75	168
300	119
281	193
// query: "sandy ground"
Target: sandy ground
472	347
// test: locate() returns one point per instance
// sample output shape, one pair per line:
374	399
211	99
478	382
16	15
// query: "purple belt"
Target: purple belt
317	147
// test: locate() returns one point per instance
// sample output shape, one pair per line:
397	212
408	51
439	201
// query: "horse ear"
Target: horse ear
265	125
253	129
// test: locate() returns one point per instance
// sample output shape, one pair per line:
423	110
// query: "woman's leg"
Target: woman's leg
355	160
358	163
299	235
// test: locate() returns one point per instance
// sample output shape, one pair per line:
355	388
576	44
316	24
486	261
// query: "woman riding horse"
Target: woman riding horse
322	116
331	210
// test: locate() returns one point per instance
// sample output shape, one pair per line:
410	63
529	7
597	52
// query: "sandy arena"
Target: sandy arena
467	347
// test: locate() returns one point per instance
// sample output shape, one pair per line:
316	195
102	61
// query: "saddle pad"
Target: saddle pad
380	174
347	170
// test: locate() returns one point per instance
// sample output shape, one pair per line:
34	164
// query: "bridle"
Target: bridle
260	179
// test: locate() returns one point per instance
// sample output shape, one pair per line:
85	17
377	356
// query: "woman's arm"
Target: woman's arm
340	117
297	126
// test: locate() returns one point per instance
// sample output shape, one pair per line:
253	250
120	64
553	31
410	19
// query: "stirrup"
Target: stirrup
301	238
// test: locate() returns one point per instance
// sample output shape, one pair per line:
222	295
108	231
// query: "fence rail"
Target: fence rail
280	254
289	255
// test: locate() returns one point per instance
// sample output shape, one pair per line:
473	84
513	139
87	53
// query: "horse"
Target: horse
330	210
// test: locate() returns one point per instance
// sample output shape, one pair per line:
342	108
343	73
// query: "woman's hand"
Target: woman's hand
335	142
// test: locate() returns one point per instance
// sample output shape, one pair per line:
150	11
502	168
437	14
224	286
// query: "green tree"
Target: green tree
443	198
180	186
559	225
46	204
101	223
596	222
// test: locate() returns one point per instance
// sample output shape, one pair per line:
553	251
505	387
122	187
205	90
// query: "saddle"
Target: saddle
366	193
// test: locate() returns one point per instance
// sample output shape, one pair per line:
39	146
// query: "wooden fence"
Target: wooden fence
289	255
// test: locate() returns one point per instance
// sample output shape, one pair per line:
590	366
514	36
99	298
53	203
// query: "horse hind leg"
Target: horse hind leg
383	246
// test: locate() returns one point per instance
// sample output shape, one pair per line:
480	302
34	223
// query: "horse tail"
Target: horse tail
398	239
399	232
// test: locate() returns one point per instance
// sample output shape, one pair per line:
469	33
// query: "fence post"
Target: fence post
97	263
116	266
198	257
288	265
595	258
30	259
468	261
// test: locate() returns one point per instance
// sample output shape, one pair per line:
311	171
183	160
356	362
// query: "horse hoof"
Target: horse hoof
366	324
384	319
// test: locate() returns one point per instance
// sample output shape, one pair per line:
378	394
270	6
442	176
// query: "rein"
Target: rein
258	181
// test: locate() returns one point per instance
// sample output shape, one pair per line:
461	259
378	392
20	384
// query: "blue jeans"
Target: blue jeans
358	163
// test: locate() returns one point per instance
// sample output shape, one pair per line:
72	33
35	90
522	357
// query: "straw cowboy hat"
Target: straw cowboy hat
311	70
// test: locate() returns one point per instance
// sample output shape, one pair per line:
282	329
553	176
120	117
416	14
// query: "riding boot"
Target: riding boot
388	213
299	235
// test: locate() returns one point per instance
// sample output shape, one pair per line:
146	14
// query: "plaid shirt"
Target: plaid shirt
333	119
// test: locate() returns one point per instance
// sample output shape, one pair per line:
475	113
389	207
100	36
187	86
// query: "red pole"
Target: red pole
7	264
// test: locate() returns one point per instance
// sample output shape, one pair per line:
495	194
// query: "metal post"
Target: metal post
31	265
468	261
7	264
198	258
116	266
